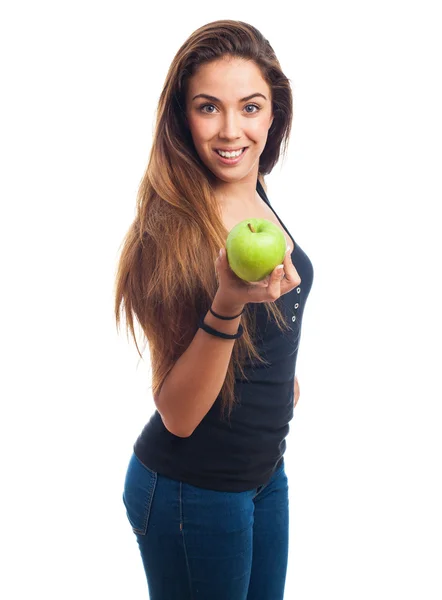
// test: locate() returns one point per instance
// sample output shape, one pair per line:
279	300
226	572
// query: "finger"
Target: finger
275	280
291	274
220	264
263	282
221	260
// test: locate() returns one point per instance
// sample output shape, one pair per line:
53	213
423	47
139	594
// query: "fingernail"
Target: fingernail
287	250
221	253
279	269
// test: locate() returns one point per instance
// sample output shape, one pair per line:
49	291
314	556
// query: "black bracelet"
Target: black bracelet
226	336
226	318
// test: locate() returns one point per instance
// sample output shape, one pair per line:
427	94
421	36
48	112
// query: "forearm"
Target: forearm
195	381
296	392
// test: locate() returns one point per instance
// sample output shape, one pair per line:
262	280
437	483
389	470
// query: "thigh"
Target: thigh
153	511
270	540
217	533
194	543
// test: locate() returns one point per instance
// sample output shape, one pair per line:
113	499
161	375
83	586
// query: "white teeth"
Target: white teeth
230	154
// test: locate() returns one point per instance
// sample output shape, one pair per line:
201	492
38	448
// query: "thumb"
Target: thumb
220	259
277	272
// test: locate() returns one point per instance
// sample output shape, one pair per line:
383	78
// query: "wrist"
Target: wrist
225	308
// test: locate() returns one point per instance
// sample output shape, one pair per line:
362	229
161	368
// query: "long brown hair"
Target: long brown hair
166	275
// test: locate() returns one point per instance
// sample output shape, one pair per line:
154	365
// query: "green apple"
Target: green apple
254	248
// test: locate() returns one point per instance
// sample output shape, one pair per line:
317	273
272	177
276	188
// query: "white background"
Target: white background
360	192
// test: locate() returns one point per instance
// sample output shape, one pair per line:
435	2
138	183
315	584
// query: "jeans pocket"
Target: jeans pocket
139	488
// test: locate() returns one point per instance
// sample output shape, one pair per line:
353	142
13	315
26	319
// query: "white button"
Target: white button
296	305
298	290
293	318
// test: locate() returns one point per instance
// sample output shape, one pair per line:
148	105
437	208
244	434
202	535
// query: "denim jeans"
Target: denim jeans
204	544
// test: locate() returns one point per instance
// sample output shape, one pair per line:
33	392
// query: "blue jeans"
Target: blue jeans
204	544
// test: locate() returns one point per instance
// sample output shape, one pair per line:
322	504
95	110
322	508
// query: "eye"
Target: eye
253	106
203	106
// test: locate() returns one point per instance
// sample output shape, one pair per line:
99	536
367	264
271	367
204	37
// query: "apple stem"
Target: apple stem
251	227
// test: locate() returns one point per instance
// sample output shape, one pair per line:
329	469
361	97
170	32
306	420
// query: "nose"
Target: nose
230	127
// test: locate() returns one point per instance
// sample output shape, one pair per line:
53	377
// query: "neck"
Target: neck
243	192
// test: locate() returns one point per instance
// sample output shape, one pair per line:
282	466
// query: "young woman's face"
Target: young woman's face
229	108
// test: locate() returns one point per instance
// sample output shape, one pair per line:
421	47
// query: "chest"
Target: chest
235	214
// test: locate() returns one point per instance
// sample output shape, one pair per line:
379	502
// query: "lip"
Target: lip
231	161
231	149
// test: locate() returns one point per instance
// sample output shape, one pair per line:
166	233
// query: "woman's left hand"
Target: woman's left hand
296	391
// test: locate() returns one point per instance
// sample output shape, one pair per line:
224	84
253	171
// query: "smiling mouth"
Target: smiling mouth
231	153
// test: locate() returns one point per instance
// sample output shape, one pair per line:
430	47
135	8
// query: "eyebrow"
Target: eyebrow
213	99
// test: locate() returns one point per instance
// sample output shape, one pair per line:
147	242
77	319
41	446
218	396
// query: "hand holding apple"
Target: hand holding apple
254	248
233	293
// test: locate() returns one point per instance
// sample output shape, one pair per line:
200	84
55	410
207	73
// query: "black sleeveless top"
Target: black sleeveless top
242	452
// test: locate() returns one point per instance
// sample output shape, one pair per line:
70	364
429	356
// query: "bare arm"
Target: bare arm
196	379
297	392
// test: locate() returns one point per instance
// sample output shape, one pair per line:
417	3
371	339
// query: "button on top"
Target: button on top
298	290
296	305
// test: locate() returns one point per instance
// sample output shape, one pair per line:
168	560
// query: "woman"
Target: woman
205	491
